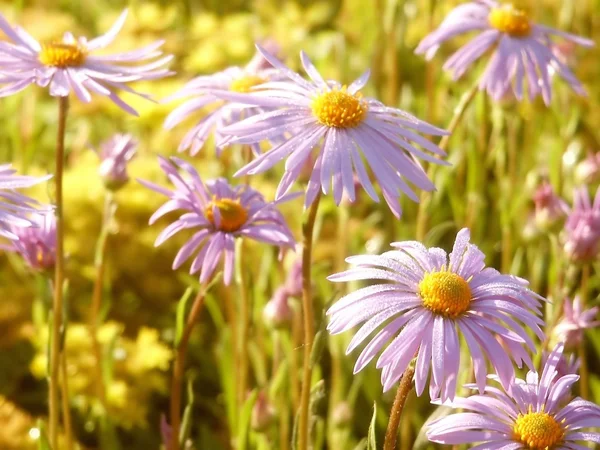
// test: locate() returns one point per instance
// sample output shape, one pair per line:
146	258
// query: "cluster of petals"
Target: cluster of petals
582	228
37	244
362	129
16	208
115	154
535	413
70	65
204	207
521	51
494	318
574	321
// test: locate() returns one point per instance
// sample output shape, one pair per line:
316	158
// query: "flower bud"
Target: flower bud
342	414
37	244
550	209
114	154
277	312
263	413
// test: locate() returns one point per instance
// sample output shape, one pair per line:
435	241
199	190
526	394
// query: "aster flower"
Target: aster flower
15	207
69	65
429	298
550	209
344	126
566	365
534	414
574	321
114	155
201	90
582	228
37	244
220	213
521	50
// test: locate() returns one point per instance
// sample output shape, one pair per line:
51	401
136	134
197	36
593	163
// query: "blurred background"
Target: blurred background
501	154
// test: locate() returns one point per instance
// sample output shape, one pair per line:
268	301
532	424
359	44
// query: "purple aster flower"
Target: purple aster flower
574	321
220	213
15	208
346	128
566	365
582	228
223	113
115	153
37	244
550	209
534	414
521	50
428	300
70	64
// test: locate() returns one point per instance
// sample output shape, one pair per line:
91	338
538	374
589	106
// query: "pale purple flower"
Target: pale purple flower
346	128
550	209
37	243
566	365
293	281
220	213
16	208
534	414
428	300
574	321
70	65
277	312
582	228
222	113
115	153
521	51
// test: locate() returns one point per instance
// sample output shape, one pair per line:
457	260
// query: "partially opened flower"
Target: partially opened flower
220	213
574	322
344	126
430	299
222	113
534	414
71	65
115	153
37	244
16	208
550	209
582	228
521	50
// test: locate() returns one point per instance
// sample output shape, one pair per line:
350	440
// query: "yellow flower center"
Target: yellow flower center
232	214
339	109
445	293
58	54
245	84
538	430
510	20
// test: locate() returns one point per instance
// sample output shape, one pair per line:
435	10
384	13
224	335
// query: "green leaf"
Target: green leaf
244	422
186	423
180	317
43	443
371	440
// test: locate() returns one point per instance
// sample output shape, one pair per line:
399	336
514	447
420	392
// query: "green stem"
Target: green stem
309	326
583	367
244	326
391	435
59	275
66	410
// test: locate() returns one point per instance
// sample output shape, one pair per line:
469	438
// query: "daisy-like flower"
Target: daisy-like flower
201	90
37	244
574	321
115	153
521	50
534	414
71	65
220	213
15	208
344	126
428	300
582	228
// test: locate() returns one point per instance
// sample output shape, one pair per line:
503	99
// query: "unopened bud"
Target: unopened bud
277	312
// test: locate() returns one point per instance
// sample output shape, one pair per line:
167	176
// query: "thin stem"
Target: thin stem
59	275
583	365
244	327
178	369
66	410
309	326
426	197
391	435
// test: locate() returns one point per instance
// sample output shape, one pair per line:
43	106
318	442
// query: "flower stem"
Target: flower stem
244	326
583	365
179	366
309	326
426	197
66	410
59	275
391	435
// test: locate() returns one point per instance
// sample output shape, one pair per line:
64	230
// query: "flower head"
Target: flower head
521	49
428	300
534	414
37	244
347	129
114	155
15	208
220	213
201	90
550	209
70	64
574	321
582	228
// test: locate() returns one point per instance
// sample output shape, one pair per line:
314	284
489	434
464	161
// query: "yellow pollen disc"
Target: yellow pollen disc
233	214
445	293
538	431
510	20
58	54
339	109
244	84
